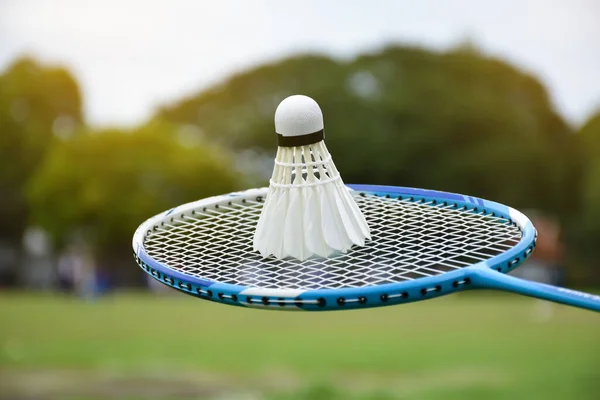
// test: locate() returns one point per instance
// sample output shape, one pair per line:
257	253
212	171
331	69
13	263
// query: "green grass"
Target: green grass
458	347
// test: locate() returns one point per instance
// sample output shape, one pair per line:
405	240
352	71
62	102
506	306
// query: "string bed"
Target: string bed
410	240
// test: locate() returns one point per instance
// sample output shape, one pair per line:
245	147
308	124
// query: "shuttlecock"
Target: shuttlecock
308	209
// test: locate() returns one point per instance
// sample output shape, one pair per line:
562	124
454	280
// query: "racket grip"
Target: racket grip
490	279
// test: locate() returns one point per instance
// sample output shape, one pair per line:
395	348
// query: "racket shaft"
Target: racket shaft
490	279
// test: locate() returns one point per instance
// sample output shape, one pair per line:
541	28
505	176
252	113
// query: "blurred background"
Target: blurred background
113	111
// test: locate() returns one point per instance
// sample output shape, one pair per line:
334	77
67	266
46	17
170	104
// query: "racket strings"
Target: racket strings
410	240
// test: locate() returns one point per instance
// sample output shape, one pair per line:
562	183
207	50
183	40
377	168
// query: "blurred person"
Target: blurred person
84	274
65	272
78	272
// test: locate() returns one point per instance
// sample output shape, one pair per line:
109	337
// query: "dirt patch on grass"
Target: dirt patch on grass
41	384
67	384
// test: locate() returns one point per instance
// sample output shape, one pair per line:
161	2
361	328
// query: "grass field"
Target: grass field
143	346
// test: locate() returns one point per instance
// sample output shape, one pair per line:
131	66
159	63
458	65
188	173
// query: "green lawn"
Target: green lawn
143	346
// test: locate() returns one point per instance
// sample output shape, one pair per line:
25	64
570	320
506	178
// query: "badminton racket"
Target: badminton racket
424	244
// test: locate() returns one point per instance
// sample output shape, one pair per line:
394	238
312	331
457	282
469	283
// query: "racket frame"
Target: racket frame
471	277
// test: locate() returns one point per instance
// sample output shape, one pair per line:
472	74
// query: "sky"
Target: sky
131	56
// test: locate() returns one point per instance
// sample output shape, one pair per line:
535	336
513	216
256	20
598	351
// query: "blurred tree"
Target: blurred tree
589	218
457	121
38	105
239	112
102	185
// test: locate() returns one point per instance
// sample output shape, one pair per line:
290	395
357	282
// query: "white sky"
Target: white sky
132	55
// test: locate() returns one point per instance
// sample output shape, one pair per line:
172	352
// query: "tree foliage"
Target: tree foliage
589	221
104	184
37	103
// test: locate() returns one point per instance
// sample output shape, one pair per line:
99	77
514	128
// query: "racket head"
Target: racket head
421	248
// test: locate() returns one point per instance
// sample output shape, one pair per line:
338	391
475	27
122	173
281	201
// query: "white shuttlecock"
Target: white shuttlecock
308	210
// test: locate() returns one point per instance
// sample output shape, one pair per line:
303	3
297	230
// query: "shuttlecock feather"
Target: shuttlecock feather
308	210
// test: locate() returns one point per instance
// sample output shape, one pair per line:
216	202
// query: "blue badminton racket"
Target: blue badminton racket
424	244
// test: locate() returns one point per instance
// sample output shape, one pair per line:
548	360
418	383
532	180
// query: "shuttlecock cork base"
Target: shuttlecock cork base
308	210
